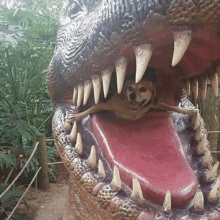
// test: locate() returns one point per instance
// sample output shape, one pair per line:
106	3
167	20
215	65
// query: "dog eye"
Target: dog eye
130	88
142	89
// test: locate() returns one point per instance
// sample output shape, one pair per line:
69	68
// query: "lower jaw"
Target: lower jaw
150	150
94	197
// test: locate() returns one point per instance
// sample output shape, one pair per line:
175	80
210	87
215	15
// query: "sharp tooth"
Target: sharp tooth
167	202
101	169
137	194
79	145
80	95
213	195
92	158
199	132
203	87
196	120
202	147
68	125
207	158
96	81
75	94
73	134
195	88
214	83
210	176
116	180
143	55
181	43
87	91
106	78
120	66
198	205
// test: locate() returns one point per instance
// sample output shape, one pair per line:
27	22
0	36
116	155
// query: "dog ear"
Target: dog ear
155	97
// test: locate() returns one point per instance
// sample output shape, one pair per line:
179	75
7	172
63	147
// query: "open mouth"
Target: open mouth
156	167
173	159
134	106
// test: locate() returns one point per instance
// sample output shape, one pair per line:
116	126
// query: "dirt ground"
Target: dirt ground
46	205
51	204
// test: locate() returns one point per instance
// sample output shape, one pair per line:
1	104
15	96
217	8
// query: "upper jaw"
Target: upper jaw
199	63
194	38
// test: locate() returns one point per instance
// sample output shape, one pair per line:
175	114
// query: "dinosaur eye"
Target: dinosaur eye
142	89
130	88
73	10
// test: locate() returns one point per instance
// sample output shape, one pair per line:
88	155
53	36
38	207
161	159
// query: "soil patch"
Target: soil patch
48	204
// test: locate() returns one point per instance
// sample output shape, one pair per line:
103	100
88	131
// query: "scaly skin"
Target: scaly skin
97	38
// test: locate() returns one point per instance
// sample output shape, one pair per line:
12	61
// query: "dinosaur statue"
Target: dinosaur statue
155	167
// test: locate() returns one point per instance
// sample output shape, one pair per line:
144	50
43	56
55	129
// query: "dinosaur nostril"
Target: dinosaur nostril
132	96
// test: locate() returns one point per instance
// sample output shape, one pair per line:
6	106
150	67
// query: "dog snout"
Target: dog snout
132	96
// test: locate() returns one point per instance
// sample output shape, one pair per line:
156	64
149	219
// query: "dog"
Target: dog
135	101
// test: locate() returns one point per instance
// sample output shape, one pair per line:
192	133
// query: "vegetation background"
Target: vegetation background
27	39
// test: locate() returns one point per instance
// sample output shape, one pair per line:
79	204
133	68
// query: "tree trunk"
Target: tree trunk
42	154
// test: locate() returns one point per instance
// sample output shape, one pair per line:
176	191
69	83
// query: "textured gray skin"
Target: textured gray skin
85	41
93	34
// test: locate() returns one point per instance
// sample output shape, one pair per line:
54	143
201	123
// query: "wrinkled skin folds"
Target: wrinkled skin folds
156	167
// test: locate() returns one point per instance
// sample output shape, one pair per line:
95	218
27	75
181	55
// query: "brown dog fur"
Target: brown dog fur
122	105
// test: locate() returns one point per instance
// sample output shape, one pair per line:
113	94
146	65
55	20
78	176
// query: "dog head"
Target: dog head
139	94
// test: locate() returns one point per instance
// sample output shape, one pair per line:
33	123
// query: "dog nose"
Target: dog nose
132	96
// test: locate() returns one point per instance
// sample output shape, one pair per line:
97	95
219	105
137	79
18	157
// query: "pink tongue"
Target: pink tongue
149	149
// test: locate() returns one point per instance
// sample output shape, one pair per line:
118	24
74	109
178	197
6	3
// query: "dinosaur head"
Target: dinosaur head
136	169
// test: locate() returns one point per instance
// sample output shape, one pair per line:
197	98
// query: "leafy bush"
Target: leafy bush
27	40
9	201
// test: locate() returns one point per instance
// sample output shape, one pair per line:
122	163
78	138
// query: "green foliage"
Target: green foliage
8	201
36	21
27	40
32	168
24	103
7	160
